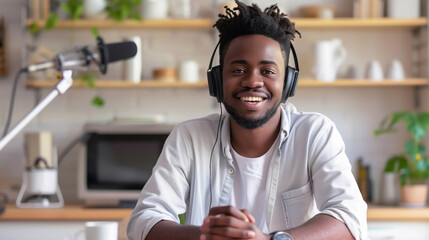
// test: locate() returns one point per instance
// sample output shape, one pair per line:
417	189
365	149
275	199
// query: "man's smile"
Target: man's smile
251	99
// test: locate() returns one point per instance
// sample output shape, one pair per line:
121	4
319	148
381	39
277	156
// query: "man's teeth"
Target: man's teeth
252	99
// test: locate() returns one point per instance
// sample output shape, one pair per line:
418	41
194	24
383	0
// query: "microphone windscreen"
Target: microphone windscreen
121	51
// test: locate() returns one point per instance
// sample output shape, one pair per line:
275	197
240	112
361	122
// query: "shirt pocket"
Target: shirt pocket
298	205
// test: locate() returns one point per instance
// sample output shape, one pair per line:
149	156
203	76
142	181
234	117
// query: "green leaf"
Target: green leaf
51	21
89	80
135	16
390	165
410	148
120	10
395	117
73	7
383	131
423	120
386	125
34	29
124	11
66	8
77	12
421	167
395	163
98	101
421	149
94	32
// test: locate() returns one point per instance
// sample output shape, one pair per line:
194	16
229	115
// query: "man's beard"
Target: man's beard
251	123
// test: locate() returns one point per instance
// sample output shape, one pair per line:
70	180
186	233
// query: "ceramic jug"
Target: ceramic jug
329	55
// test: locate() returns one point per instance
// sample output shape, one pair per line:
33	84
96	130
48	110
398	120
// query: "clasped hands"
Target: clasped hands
228	222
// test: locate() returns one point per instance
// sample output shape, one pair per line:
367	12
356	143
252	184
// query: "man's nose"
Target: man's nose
253	80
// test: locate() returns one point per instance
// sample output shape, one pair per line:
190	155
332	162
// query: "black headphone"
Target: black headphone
214	77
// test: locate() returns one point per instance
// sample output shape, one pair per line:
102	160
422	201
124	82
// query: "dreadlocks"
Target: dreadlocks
252	20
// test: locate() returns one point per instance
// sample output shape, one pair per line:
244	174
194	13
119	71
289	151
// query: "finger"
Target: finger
215	237
207	222
206	225
248	215
230	232
228	221
228	210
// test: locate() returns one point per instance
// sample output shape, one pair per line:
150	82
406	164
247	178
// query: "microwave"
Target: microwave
116	160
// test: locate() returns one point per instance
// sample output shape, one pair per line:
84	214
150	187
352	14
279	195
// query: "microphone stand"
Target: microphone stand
62	86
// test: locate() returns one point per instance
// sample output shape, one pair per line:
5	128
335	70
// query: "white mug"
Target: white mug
189	71
395	71
374	71
99	231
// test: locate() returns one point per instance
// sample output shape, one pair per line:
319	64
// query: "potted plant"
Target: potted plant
413	164
120	10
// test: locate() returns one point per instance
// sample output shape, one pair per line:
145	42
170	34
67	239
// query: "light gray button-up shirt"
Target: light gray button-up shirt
308	174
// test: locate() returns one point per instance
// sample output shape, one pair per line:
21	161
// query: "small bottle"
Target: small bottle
362	179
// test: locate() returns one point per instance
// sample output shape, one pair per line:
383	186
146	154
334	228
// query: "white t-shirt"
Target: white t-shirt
250	184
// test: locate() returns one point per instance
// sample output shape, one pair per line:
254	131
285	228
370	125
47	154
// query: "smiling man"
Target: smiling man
264	170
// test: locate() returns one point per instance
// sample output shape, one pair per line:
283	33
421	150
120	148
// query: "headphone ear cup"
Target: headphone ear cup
214	77
294	75
290	83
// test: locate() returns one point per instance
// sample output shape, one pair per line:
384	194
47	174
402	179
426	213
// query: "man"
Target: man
265	171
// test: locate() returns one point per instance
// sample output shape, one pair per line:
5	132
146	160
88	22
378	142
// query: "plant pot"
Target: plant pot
414	195
154	9
94	9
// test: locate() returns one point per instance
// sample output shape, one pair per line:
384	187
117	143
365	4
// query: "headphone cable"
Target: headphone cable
211	155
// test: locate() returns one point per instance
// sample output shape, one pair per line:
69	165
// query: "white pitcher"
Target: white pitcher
329	55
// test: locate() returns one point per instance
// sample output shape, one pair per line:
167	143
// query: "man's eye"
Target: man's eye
238	71
268	72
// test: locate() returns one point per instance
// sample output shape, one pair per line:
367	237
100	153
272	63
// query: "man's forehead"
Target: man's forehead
251	46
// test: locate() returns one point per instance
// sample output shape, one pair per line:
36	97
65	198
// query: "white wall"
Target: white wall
356	110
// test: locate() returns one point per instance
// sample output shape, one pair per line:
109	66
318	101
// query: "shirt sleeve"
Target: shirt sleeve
164	195
335	188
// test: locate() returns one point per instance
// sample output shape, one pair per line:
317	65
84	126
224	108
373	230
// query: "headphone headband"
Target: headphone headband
295	58
213	54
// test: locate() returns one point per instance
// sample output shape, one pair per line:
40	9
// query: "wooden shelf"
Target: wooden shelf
75	212
302	83
167	23
364	83
377	213
208	23
117	84
356	22
69	212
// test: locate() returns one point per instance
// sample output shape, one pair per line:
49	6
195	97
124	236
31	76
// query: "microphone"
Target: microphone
78	57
